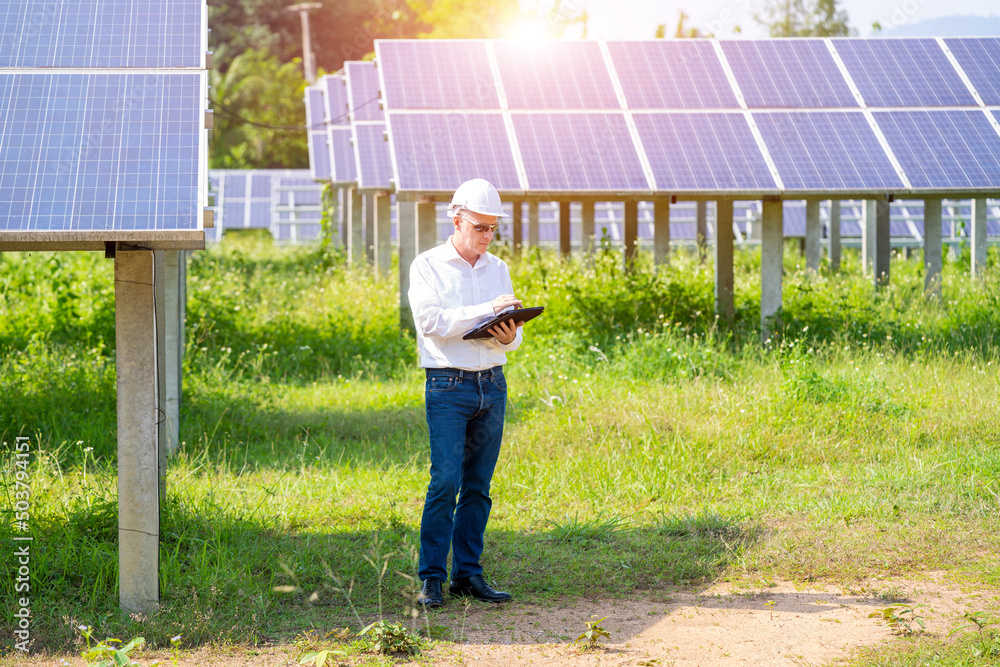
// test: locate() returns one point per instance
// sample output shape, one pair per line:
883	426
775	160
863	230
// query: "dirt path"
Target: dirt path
778	625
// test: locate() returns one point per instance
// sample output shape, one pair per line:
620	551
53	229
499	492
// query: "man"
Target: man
454	288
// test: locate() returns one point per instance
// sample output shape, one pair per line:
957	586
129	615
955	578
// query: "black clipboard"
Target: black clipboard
518	315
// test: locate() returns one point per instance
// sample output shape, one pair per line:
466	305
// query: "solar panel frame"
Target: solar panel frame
910	72
341	155
336	108
73	149
103	34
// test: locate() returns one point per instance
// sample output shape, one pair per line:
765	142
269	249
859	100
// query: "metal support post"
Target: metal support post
724	307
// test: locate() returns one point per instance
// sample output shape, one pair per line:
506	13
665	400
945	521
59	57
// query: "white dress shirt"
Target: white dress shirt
449	297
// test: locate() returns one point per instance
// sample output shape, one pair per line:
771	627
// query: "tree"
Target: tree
341	30
257	90
804	18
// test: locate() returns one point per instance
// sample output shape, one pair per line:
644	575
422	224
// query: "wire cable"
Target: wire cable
285	128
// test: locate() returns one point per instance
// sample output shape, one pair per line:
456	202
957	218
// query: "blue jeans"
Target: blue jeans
465	412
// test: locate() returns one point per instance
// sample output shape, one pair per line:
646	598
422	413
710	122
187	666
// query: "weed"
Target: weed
387	638
592	635
110	652
575	530
901	618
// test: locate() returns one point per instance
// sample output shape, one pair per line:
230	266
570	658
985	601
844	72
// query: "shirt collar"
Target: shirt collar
451	255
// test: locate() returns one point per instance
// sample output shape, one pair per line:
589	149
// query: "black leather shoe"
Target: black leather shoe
475	586
430	595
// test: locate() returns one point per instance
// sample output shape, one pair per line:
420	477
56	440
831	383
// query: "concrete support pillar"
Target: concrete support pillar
631	235
771	253
182	294
355	221
517	226
835	235
724	307
812	235
383	233
138	445
588	233
172	349
533	224
426	213
978	265
369	211
701	233
661	231
343	217
868	221
932	246
564	249
160	321
883	249
407	225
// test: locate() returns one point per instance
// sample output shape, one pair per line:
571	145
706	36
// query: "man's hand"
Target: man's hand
505	332
505	301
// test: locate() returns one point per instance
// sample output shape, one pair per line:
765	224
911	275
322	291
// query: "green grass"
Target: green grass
647	445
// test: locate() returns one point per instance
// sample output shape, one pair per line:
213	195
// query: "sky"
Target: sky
637	19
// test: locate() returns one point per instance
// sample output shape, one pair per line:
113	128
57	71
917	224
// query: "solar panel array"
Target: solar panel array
373	164
102	107
285	202
795	117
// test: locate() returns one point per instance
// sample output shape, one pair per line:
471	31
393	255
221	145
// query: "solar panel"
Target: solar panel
73	156
437	152
979	58
903	72
319	156
341	155
672	74
787	73
336	105
690	152
374	163
826	151
578	152
554	75
363	91
296	208
319	149
433	74
944	149
102	33
267	199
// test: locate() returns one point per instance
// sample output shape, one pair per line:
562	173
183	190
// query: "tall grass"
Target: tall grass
648	445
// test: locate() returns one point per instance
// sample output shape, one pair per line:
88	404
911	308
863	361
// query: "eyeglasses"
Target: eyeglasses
481	228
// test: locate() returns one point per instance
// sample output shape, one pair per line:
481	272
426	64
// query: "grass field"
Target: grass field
648	446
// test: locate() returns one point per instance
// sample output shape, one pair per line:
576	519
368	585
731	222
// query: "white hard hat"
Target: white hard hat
478	196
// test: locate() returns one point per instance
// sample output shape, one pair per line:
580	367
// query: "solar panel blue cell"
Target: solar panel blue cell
319	155
578	152
74	156
337	109
903	72
568	74
342	169
793	219
432	74
793	73
374	161
440	151
944	149
979	58
672	74
716	152
362	90
826	151
101	33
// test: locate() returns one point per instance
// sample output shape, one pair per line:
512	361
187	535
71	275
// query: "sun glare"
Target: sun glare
528	28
